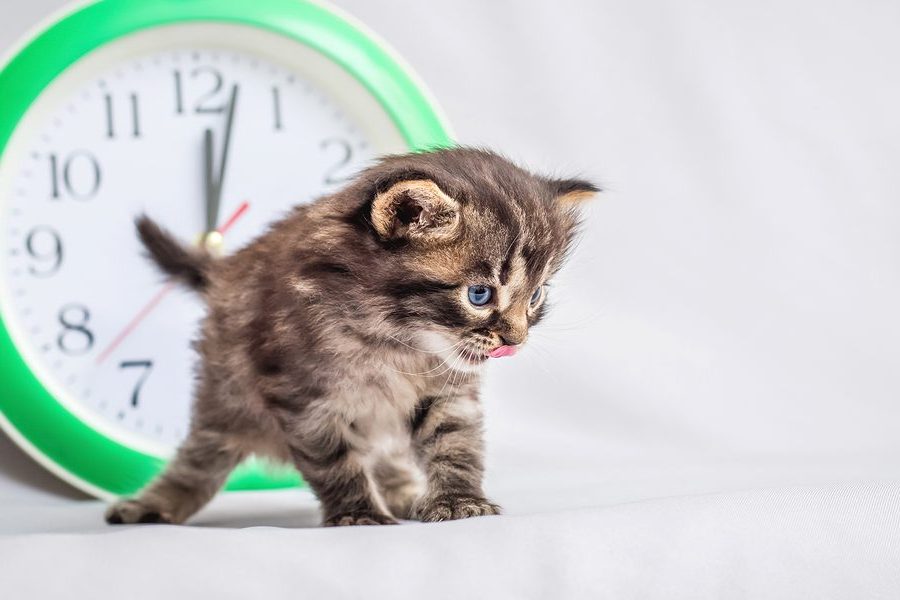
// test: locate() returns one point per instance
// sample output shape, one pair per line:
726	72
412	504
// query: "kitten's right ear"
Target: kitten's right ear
572	192
417	210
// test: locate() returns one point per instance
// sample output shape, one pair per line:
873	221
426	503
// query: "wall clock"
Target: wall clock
213	116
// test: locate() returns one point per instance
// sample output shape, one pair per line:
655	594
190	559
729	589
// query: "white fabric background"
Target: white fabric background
712	409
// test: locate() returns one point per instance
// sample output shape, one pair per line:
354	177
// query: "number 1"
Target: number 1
276	101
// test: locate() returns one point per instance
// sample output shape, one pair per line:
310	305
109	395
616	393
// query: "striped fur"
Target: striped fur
342	341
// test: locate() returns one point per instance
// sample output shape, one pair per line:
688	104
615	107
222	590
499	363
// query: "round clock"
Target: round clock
211	116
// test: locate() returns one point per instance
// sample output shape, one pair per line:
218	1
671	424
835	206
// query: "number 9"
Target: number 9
44	245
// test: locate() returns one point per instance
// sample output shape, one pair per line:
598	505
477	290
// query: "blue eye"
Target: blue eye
536	296
479	295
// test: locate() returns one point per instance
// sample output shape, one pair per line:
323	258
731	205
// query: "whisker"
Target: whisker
443	363
459	374
451	375
540	362
402	343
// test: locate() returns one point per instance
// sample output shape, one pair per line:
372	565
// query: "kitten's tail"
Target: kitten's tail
185	264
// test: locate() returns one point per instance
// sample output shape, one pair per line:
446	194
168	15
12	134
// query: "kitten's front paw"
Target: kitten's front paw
454	506
359	518
130	511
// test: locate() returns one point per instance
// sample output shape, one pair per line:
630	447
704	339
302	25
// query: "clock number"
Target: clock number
276	104
78	175
206	103
346	154
75	338
147	366
179	94
201	106
110	118
44	245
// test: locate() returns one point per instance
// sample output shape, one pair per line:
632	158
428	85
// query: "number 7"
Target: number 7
147	365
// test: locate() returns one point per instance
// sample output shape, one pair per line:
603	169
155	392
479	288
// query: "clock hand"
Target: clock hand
148	308
209	183
214	188
136	320
230	221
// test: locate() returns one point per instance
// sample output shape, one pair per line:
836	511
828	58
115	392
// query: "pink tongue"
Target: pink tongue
502	351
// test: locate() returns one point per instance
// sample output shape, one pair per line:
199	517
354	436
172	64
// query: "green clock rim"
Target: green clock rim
48	431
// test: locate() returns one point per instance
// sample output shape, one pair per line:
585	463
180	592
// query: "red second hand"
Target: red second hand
237	214
148	308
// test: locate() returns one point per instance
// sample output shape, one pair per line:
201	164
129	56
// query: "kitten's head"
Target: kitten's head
472	242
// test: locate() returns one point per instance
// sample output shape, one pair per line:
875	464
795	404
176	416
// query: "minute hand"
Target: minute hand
214	188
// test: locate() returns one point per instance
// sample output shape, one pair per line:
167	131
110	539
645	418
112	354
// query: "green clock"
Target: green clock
118	107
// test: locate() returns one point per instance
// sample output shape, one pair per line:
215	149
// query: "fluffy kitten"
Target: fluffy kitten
348	339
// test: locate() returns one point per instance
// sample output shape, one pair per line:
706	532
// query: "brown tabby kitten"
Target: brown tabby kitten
348	340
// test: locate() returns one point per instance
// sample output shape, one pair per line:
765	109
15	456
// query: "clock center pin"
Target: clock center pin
213	242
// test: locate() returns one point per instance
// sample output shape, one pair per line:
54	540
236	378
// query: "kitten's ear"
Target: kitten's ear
417	210
572	192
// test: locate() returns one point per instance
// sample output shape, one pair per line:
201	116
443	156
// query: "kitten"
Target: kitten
348	340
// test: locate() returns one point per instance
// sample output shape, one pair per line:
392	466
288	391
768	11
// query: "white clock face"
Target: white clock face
122	133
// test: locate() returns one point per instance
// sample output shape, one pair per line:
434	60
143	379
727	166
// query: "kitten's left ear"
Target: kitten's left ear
572	192
416	210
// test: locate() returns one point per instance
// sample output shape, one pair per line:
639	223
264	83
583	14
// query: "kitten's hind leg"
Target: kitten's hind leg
199	469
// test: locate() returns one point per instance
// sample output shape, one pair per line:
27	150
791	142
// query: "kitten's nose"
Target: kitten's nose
513	328
511	340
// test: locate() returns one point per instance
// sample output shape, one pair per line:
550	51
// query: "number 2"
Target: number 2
332	176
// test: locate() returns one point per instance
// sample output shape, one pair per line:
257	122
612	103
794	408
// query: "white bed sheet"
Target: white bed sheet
712	409
827	542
